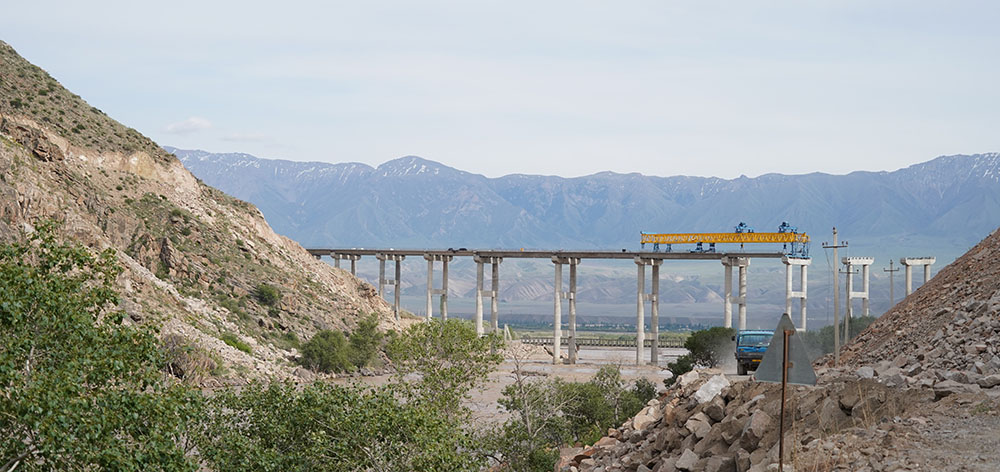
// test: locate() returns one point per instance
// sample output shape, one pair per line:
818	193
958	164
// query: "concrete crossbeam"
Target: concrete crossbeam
909	262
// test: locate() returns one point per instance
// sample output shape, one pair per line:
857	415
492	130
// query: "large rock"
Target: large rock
699	424
990	381
687	460
688	378
645	417
711	389
755	429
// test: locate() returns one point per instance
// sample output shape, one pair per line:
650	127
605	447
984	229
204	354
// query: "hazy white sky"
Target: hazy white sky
556	87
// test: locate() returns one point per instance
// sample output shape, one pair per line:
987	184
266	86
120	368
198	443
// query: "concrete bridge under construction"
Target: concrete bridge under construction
572	259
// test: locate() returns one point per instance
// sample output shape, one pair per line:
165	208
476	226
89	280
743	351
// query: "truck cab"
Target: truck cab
750	348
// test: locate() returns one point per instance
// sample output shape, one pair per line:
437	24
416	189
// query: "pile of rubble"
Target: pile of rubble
945	335
706	423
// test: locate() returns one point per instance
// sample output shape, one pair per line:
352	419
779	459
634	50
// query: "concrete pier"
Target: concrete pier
801	294
569	295
443	291
354	258
493	293
909	262
849	264
640	316
741	299
382	282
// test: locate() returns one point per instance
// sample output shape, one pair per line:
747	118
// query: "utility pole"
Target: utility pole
892	295
836	296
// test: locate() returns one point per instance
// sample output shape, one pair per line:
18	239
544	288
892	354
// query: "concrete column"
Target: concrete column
788	289
909	278
354	265
654	307
381	274
444	287
849	263
640	315
336	260
572	310
727	294
864	282
557	313
429	307
743	293
478	320
805	288
909	262
396	286
495	293
850	303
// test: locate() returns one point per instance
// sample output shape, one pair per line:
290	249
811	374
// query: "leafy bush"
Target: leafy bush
365	342
327	351
326	427
80	389
267	295
706	348
233	341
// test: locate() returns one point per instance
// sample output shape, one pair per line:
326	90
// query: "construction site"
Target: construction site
918	390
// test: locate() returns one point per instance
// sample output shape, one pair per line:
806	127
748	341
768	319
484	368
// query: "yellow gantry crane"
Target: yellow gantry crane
787	234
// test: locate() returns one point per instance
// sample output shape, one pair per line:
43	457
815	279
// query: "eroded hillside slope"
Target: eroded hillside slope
195	259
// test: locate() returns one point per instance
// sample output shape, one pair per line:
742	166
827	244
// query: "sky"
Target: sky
567	88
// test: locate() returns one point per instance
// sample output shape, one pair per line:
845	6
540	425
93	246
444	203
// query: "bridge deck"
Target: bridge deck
546	254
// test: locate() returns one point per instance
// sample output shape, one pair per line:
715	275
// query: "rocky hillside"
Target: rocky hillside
918	390
947	329
203	265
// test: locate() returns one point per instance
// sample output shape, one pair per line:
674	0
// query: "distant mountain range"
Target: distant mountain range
943	205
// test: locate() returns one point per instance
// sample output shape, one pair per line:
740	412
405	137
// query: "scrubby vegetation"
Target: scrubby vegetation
706	348
334	351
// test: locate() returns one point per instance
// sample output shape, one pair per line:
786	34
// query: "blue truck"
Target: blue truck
750	347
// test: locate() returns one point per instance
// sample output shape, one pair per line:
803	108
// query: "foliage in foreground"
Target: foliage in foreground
548	414
78	388
325	427
333	351
706	348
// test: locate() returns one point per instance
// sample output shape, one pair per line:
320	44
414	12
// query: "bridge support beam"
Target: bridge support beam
493	294
741	299
557	309
849	263
350	257
640	304
443	292
790	294
909	262
382	282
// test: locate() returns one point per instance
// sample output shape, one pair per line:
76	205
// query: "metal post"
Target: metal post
557	314
892	286
784	386
640	316
444	287
479	297
654	307
572	310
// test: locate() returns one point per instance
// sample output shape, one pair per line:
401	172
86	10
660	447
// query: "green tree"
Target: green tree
80	390
365	341
324	427
448	357
327	351
708	346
